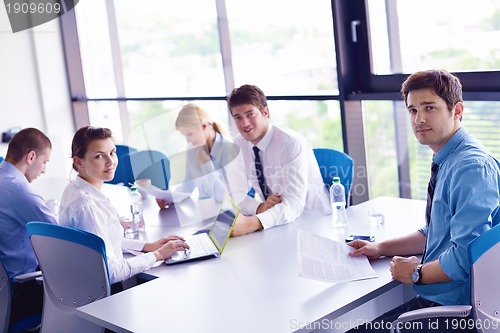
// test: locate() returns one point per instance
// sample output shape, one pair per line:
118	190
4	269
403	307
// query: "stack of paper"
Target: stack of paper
324	259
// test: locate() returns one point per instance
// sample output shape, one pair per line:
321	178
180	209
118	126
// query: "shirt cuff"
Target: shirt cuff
249	206
132	244
266	219
151	259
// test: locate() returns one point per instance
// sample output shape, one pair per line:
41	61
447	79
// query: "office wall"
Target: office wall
34	91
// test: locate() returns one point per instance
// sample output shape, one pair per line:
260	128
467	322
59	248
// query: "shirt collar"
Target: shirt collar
15	172
450	145
90	189
266	139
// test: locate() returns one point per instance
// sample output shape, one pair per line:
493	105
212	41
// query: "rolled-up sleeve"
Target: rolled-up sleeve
472	206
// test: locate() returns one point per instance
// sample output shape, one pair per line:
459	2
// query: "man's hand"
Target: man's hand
271	200
245	225
401	268
370	250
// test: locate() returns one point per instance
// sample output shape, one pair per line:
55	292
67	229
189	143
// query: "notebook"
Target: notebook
211	244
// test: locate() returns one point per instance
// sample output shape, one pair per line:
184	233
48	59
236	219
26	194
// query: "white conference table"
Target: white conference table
255	286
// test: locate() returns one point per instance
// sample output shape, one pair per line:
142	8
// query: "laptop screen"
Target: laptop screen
223	224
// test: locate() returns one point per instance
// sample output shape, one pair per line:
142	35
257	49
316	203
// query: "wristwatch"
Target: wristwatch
416	275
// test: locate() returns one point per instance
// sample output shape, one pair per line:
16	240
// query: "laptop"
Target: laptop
210	245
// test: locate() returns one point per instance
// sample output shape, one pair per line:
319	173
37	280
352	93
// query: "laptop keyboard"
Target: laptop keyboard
199	245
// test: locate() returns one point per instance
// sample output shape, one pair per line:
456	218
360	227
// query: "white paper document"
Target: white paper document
327	260
170	196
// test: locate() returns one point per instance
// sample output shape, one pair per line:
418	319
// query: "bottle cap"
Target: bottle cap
336	180
133	188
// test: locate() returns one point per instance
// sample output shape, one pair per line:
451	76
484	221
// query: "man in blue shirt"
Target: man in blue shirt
27	154
463	202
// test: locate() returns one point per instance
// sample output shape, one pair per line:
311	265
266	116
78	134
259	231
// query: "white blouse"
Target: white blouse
85	207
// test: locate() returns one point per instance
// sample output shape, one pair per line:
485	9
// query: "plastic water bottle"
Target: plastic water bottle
137	213
338	202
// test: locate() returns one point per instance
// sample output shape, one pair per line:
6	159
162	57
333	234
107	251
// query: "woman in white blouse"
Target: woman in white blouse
213	162
84	206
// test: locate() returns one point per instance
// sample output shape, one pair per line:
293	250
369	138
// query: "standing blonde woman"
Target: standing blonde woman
84	206
213	162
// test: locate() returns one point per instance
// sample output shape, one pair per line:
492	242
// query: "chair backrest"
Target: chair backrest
158	172
1	159
335	163
143	159
123	173
5	299
484	252
21	325
75	273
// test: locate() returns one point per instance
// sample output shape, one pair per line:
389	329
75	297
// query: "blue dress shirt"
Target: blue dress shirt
19	204
466	204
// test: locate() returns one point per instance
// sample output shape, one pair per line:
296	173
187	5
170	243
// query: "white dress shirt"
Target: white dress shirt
291	170
85	207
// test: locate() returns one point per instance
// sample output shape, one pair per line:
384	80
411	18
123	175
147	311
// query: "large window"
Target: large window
457	35
157	55
169	48
480	118
285	47
381	158
332	70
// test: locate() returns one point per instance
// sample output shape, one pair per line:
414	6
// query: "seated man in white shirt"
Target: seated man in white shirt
280	165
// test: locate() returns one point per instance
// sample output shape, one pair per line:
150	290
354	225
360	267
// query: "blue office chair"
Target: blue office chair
1	159
21	325
158	172
123	173
75	273
334	163
483	252
144	159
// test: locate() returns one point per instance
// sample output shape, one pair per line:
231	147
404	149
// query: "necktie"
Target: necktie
430	196
266	191
430	192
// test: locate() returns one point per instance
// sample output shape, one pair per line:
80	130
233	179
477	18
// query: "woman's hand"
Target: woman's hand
150	247
162	203
203	155
170	248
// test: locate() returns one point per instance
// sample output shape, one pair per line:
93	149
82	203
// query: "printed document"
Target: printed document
327	260
170	196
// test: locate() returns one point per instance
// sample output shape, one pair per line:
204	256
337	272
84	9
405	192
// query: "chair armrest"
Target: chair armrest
39	280
28	276
432	312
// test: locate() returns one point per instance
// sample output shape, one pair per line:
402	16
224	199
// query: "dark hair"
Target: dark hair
24	141
84	136
444	84
247	94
